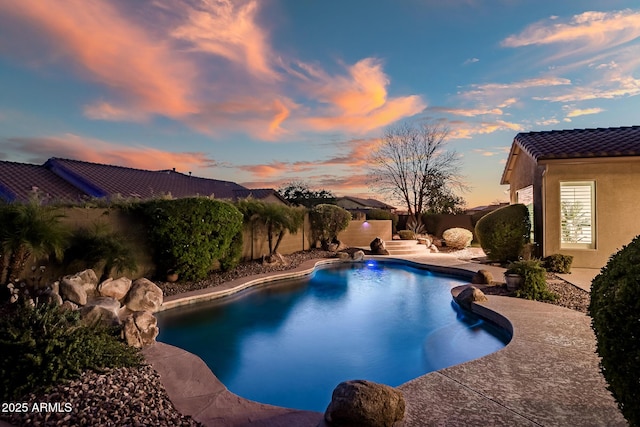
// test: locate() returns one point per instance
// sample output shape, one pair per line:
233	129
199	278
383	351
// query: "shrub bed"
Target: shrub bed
614	309
190	235
43	345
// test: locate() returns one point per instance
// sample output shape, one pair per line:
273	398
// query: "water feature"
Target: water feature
290	343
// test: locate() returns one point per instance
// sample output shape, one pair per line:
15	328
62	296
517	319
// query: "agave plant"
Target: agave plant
415	225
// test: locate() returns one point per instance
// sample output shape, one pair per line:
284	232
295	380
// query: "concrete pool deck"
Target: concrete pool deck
547	375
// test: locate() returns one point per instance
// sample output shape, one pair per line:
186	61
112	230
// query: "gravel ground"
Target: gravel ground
117	397
136	397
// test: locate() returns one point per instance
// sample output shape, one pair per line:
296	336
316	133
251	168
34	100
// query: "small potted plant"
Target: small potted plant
516	271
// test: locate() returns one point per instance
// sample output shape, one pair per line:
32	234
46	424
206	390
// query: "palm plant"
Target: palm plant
99	245
273	219
30	230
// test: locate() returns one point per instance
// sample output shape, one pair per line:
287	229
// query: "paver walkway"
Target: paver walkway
547	375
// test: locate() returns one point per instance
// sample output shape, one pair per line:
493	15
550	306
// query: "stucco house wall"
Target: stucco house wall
597	174
617	205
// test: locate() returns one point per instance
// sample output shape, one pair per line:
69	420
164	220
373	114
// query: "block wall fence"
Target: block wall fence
358	234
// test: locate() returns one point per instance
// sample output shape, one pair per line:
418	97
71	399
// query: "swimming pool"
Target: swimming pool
290	344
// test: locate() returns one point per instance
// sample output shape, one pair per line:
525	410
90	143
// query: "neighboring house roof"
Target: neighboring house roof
20	181
259	193
71	181
99	180
367	203
575	144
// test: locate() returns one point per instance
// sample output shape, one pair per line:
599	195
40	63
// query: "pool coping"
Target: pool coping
548	374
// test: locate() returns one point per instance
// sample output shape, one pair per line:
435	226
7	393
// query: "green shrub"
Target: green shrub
374	214
558	263
327	221
232	257
534	283
504	232
43	345
189	235
407	235
615	320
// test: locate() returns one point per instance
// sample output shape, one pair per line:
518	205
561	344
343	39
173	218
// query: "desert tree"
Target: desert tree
300	193
412	165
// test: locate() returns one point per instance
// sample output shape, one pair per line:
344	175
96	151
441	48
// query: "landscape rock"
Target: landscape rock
365	404
434	249
73	291
115	288
140	329
344	256
470	295
87	279
336	245
68	305
358	256
92	314
144	295
377	247
482	277
49	296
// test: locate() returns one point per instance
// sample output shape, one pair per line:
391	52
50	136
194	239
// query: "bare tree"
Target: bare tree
413	167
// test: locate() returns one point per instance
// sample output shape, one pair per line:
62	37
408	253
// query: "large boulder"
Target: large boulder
144	295
377	247
482	277
470	295
87	279
73	291
140	329
92	314
101	309
365	404
115	288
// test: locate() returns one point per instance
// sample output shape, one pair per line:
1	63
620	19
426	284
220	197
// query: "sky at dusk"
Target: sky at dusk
266	92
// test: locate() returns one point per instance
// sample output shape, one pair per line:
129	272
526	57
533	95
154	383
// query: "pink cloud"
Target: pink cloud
358	102
98	151
229	29
209	65
592	30
104	46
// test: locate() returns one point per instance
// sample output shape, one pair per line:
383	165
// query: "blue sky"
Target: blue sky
272	91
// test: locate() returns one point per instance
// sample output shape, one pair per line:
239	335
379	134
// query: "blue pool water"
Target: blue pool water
290	344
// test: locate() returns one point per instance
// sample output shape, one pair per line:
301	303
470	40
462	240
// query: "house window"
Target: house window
525	196
577	215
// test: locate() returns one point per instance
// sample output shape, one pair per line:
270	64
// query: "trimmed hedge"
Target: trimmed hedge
189	235
615	318
504	232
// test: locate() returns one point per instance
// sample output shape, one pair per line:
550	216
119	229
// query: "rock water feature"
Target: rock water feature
112	302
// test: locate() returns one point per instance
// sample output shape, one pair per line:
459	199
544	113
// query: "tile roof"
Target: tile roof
19	181
100	180
368	203
581	143
258	193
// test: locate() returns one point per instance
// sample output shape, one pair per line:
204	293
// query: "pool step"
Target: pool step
405	247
